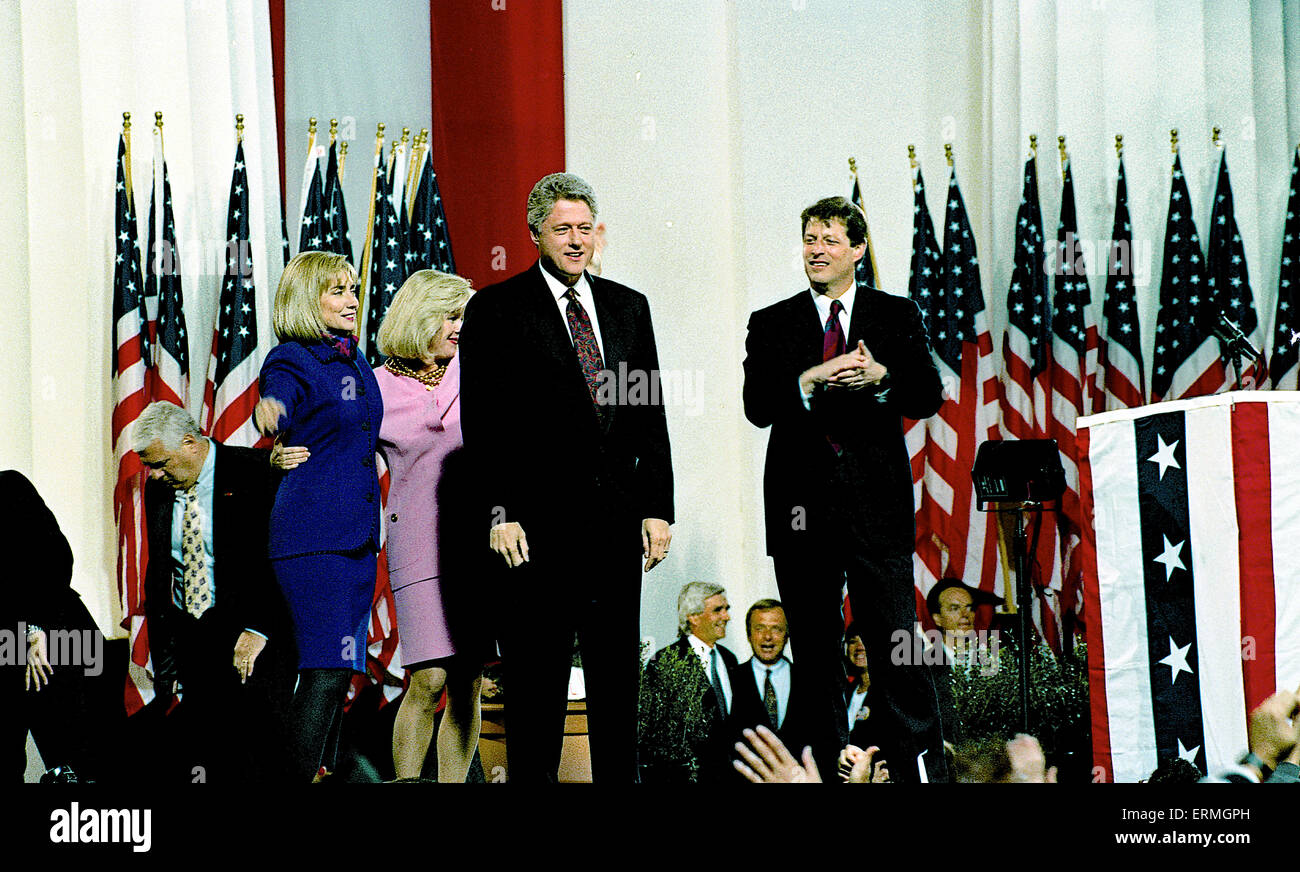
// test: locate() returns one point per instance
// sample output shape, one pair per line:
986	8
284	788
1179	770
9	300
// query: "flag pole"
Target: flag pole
947	153
911	156
1214	138
126	153
334	130
1065	155
370	218
1119	146
343	157
158	122
239	128
871	249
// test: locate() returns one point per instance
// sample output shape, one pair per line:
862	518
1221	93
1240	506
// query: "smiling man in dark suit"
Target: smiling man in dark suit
216	619
764	685
833	370
564	423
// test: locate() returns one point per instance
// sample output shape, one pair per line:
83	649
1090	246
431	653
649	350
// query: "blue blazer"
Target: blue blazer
332	406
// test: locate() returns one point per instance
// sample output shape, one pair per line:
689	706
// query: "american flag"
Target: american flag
953	536
429	239
129	364
1196	506
1187	361
337	239
312	226
171	361
383	649
1026	347
386	263
399	193
1121	374
1284	367
924	282
231	389
1226	273
865	272
1070	379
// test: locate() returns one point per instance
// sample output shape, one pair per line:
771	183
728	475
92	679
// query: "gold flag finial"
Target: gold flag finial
379	130
157	120
947	152
1214	137
406	134
1119	145
1033	145
911	155
311	125
126	122
343	157
334	130
239	128
1060	146
853	165
1173	140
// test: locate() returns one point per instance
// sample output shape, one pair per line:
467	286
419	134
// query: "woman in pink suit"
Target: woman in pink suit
420	435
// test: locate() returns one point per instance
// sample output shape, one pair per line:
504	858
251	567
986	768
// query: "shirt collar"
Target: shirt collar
778	667
823	302
558	288
698	645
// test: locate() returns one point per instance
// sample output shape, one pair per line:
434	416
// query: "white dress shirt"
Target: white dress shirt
780	684
583	287
705	652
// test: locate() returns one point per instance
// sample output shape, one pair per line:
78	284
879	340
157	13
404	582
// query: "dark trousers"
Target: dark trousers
880	591
227	731
597	596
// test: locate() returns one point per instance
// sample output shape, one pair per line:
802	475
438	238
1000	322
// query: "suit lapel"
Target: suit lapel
808	326
546	316
614	330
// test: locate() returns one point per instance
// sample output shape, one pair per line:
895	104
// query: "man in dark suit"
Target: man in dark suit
832	370
702	617
216	619
62	701
764	687
564	422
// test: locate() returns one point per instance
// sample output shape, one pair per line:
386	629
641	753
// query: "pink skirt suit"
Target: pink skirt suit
420	431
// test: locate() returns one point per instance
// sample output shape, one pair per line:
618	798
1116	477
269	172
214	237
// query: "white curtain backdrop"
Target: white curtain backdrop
74	68
707	127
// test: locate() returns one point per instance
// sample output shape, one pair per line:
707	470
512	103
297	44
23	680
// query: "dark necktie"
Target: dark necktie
584	343
833	342
769	700
716	681
833	345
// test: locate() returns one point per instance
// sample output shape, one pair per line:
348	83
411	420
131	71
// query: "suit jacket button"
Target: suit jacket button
365	425
370	498
393	518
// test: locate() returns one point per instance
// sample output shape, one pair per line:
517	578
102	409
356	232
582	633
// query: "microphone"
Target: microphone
1229	332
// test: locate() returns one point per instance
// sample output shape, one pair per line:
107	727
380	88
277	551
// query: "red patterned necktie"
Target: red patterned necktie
833	344
584	343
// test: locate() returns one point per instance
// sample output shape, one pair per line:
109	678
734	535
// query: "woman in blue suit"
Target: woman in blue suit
318	392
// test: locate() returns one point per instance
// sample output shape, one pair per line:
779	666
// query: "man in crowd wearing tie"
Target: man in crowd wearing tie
576	479
833	370
702	617
216	619
763	685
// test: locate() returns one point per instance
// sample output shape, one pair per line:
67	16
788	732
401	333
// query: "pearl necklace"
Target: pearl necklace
430	379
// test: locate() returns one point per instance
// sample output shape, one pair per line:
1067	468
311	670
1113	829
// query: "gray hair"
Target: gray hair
557	186
691	601
163	421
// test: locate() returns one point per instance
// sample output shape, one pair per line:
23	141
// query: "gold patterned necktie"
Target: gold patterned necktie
198	594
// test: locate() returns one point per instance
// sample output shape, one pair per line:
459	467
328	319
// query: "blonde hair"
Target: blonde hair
415	317
296	313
